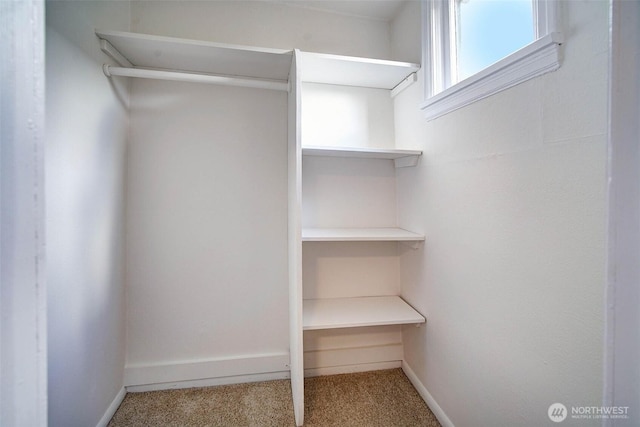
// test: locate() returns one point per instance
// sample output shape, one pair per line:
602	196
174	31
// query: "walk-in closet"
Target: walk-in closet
245	191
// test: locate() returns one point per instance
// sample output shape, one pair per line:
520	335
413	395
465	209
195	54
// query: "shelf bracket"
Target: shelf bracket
114	54
416	244
405	162
411	79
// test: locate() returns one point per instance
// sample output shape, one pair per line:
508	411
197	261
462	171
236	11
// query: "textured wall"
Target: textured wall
264	24
511	194
87	127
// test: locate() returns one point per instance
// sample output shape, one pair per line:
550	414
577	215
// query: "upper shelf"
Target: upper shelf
149	51
402	158
353	71
195	56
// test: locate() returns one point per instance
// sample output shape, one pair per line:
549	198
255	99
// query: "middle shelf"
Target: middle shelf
335	313
360	235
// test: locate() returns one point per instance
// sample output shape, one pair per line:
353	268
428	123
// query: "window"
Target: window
486	31
475	48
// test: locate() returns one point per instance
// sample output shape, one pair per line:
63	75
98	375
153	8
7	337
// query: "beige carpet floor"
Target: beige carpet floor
370	399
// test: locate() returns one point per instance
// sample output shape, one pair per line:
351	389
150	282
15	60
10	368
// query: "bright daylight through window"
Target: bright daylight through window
474	48
487	31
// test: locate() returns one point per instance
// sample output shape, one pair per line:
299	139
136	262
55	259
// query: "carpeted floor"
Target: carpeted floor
370	399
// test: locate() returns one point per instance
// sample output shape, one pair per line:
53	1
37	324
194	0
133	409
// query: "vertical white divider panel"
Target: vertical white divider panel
295	242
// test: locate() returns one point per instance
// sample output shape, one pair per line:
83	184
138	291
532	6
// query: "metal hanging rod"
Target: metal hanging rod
110	70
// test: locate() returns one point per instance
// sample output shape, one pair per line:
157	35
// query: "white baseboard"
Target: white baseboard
327	358
112	408
347	360
210	382
202	373
426	396
350	369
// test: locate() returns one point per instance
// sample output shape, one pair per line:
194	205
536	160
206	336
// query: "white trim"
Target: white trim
294	238
426	396
138	375
345	357
621	385
350	369
23	296
537	58
436	41
545	13
210	382
111	410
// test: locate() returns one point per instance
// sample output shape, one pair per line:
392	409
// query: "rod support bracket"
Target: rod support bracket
105	70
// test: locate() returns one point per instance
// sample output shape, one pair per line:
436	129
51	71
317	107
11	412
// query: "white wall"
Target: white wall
264	24
207	198
206	226
86	137
346	116
406	33
510	193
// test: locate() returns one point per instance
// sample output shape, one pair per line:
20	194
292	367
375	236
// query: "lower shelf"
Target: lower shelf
356	312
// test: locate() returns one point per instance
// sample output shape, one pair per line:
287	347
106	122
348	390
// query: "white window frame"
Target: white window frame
441	96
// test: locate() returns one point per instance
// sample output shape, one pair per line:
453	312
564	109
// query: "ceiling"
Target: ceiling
376	9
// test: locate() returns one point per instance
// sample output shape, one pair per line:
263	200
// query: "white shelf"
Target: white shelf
359	235
357	312
157	52
354	71
195	56
401	158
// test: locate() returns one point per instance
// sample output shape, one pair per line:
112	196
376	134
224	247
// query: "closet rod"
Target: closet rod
110	70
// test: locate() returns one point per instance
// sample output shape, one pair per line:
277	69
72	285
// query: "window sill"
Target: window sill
537	58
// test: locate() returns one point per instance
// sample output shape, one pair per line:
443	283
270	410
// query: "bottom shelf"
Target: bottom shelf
356	312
